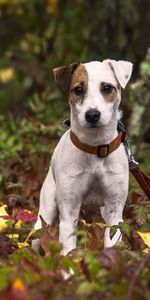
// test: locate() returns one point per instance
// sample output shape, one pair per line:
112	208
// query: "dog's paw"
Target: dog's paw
110	242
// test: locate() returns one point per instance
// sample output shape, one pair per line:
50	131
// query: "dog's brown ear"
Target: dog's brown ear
63	75
44	224
122	70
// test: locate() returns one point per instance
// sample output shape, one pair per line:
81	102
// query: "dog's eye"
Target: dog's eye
78	90
107	88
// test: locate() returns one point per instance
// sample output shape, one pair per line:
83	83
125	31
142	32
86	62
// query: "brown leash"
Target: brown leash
142	179
104	150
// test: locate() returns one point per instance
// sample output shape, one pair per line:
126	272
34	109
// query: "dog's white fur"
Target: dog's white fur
76	177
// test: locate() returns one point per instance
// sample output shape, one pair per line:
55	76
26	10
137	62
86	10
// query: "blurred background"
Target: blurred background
35	37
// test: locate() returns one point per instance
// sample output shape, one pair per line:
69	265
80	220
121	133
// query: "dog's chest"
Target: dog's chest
93	190
94	174
98	175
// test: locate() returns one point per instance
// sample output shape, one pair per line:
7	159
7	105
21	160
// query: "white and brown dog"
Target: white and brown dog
76	177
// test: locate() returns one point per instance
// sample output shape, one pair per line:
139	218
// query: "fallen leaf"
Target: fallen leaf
6	75
49	233
18	284
13	235
111	259
3	225
3	211
146	250
95	233
23	245
145	236
18	224
17	291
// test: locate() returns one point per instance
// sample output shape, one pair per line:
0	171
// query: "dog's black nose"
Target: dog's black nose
92	115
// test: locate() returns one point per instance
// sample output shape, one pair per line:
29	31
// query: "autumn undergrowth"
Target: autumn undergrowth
121	272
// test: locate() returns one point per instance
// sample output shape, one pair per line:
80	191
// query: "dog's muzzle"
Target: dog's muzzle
92	116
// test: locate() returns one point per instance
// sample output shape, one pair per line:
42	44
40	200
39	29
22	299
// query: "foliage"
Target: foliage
37	36
86	273
140	90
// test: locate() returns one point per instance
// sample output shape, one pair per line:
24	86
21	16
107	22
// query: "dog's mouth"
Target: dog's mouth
93	125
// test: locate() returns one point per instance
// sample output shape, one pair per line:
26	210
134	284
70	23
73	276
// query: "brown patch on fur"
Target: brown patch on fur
110	97
63	76
79	78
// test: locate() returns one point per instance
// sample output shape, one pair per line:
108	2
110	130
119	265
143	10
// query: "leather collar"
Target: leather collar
100	150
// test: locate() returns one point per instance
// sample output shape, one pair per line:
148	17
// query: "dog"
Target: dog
76	177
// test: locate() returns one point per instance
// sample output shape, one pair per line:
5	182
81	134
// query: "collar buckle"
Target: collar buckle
101	154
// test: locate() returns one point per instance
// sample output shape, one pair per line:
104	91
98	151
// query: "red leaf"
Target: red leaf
84	268
111	259
135	197
25	216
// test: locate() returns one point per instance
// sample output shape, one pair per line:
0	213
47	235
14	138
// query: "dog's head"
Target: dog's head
94	89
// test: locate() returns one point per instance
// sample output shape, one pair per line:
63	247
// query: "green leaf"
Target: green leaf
4	277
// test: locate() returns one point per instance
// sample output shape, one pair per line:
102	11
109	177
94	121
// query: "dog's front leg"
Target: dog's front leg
48	207
114	201
67	234
68	220
112	214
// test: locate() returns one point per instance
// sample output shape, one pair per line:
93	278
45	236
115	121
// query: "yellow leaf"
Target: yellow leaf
146	250
18	224
23	245
19	285
3	222
13	235
3	225
3	211
145	236
6	75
